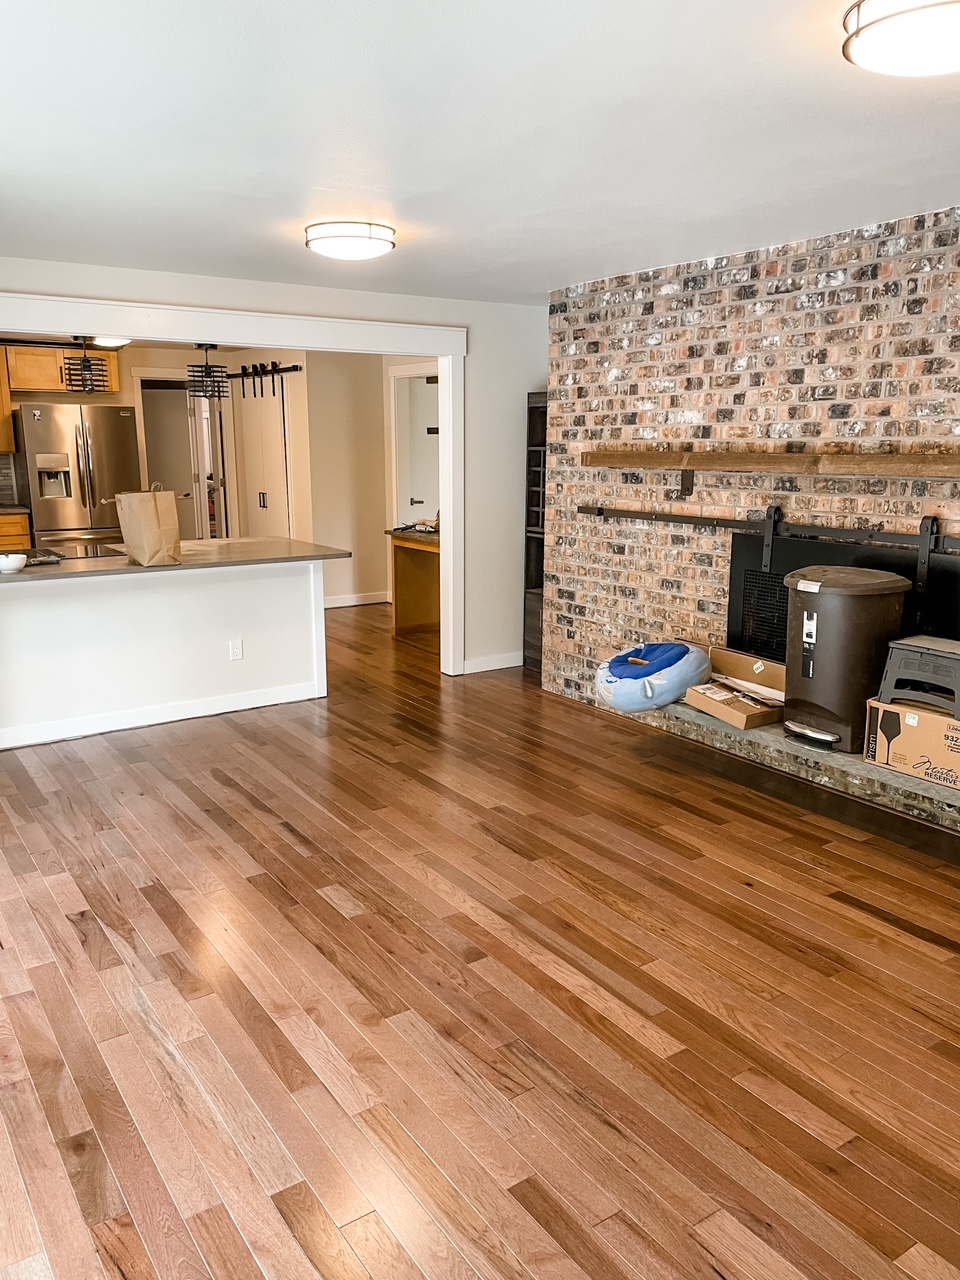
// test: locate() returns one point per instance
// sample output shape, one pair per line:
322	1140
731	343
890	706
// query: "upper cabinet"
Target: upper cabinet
6	416
56	369
35	369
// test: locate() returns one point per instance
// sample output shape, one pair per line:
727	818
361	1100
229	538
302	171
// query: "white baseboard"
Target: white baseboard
345	602
30	735
496	662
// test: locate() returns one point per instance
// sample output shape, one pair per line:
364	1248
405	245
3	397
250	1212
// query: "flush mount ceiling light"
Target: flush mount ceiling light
112	344
350	241
904	37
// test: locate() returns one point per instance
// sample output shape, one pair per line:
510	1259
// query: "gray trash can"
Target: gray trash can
839	624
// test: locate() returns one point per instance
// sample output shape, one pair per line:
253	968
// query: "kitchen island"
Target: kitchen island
92	645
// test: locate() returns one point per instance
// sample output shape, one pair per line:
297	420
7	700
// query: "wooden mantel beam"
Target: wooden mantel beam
911	464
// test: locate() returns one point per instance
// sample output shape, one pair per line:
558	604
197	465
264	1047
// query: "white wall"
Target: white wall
347	469
507	357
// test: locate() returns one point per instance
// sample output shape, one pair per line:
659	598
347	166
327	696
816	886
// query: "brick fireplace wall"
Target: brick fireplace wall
845	341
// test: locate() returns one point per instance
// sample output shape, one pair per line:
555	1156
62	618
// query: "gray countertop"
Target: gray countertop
202	554
431	540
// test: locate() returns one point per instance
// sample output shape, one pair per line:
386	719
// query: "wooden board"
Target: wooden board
909	464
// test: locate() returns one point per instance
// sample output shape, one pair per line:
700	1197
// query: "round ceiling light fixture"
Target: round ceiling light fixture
904	37
112	344
350	241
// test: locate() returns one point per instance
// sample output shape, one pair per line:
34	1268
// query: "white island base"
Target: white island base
93	646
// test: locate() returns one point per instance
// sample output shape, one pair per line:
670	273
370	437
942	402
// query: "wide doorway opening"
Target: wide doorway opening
310	455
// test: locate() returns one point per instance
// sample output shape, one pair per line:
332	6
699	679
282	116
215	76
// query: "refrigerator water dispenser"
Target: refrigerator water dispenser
53	475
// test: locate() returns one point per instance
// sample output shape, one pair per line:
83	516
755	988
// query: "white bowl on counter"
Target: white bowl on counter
13	562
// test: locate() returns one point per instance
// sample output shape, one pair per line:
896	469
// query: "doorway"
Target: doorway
183	452
446	344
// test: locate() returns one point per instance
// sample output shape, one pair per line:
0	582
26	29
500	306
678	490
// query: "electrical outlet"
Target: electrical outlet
236	650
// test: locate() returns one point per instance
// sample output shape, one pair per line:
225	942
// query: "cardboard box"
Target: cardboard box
918	741
739	710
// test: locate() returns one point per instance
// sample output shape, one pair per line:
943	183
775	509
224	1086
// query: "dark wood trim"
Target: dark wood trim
877	821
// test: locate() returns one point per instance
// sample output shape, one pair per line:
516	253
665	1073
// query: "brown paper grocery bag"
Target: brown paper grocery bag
151	531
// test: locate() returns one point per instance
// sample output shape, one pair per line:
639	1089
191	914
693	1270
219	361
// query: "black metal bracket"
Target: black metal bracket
929	532
781	528
685	490
770	527
257	372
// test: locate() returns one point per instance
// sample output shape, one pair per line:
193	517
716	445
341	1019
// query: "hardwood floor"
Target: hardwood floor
454	979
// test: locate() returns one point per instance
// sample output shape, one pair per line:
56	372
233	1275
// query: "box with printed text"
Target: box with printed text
918	741
745	691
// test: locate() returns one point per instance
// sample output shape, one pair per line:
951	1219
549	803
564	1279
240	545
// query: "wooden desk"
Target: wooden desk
416	581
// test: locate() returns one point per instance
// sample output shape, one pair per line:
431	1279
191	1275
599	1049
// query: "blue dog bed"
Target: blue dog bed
666	673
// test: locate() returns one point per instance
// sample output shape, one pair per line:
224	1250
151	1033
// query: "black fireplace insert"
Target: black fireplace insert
757	609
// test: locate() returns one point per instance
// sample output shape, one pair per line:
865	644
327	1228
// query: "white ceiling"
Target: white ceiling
518	145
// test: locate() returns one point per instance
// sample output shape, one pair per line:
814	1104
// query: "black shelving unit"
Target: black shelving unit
535	512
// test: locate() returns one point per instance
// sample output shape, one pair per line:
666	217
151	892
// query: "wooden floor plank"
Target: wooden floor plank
63	1231
121	1250
379	1250
19	1238
317	1233
444	979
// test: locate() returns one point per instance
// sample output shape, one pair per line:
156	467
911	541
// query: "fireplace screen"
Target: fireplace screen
763	615
757	610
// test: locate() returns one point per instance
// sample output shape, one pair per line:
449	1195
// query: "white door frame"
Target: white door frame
38	313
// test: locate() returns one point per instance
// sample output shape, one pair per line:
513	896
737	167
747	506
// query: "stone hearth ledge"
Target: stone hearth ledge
847	774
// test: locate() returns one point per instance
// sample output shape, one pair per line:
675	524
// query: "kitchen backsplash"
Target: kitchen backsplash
8	487
851	340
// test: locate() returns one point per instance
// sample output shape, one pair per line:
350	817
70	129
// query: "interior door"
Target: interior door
260	425
113	459
206	425
170	448
417	449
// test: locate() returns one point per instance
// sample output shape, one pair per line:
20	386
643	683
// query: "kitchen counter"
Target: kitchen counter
14	511
416	580
94	645
201	554
429	541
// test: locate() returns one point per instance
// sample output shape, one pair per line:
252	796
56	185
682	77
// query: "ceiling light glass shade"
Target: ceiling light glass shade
351	241
904	37
112	343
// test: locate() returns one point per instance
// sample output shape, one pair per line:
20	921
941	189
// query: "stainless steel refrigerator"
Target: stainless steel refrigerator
74	459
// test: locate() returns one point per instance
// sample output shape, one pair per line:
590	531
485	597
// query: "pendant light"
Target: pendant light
350	241
84	373
207	381
904	37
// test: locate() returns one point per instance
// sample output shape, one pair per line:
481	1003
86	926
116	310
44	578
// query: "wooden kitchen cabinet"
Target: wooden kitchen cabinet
14	533
44	369
35	368
7	443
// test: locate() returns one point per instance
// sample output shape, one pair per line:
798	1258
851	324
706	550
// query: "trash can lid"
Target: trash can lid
846	580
